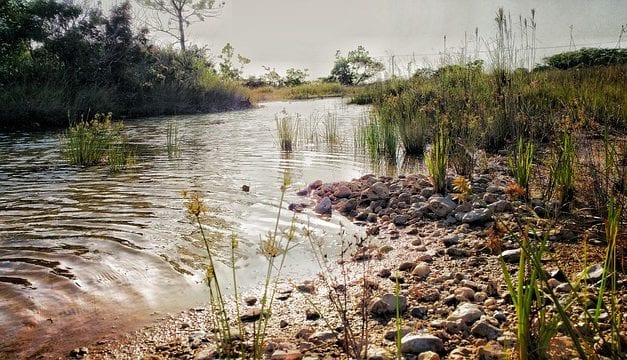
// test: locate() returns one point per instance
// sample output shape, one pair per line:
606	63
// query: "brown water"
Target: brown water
85	253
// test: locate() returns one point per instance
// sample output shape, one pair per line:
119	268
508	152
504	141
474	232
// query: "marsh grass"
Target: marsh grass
98	141
521	162
564	169
331	129
437	159
288	128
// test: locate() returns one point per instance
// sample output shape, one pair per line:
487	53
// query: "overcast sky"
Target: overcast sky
307	33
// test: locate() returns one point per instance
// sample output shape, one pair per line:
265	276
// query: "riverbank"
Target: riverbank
444	254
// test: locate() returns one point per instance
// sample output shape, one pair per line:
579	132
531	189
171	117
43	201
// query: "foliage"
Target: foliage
355	68
437	160
287	129
97	141
180	15
587	57
228	70
295	77
520	163
70	60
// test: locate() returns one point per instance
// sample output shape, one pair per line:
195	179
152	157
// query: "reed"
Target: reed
172	140
565	169
98	141
520	163
437	161
288	129
331	129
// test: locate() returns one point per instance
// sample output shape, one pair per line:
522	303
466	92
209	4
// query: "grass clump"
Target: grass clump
521	163
437	161
98	141
287	129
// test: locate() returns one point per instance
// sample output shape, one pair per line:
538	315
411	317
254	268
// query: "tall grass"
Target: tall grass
97	141
437	161
564	170
288	129
331	129
520	163
172	140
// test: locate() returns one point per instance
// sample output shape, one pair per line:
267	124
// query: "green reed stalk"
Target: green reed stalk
565	169
288	129
437	161
521	163
172	139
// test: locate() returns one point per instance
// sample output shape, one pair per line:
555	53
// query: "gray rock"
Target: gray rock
484	329
428	355
400	220
324	206
441	206
593	273
251	315
390	335
477	216
347	206
419	312
451	240
491	351
378	191
416	344
312	314
511	256
466	312
500	206
426	192
320	337
386	305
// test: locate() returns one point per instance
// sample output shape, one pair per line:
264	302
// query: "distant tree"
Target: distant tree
355	68
294	77
272	77
227	68
180	15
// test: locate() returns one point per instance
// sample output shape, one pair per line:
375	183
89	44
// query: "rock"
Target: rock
324	206
500	206
342	191
378	191
79	352
511	256
421	270
400	220
384	273
495	189
320	337
419	312
490	198
441	206
593	273
416	344
347	206
250	300
426	192
303	192
466	312
386	305
283	324
312	314
307	287
451	240
315	185
428	355
559	275
456	252
251	315
372	217
484	329
477	216
390	335
563	288
491	351
466	292
245	188
407	266
286	355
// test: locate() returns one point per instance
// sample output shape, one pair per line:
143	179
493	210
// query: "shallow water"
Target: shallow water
85	253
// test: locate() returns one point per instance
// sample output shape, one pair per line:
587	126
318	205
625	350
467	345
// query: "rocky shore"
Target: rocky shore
440	254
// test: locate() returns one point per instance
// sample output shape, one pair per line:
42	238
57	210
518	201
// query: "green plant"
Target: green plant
564	170
521	162
331	131
98	141
437	161
288	129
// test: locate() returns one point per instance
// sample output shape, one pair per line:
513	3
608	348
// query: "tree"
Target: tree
181	14
355	68
228	70
295	77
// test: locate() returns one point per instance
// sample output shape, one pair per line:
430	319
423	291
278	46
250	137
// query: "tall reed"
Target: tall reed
172	140
565	169
520	163
288	128
437	160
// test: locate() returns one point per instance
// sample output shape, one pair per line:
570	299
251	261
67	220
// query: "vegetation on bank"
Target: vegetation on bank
60	62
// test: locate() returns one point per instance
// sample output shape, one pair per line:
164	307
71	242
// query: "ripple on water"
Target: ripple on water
82	250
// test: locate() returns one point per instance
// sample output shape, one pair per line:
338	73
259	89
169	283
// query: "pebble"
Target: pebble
466	312
312	314
421	270
511	256
484	329
386	305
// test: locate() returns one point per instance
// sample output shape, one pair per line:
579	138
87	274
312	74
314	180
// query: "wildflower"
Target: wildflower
463	188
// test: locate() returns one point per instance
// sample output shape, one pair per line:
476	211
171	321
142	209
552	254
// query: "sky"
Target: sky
306	34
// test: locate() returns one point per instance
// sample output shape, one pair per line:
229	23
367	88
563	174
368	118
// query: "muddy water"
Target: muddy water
85	253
